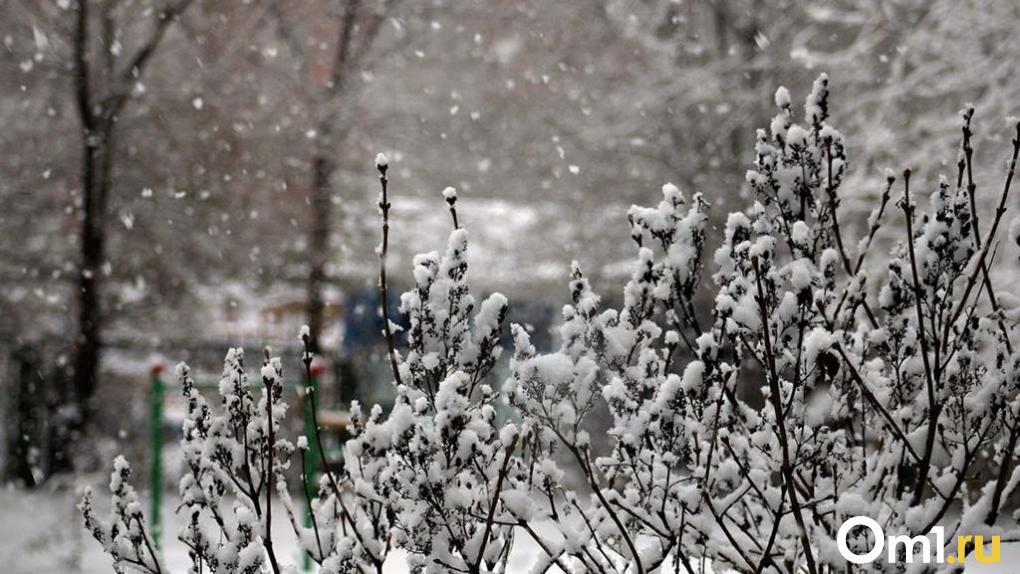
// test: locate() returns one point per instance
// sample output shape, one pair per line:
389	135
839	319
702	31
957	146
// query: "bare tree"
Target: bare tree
357	27
101	93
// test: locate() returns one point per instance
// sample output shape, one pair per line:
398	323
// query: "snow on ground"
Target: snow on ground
41	532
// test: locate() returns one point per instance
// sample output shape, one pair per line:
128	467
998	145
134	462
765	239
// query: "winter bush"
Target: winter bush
741	436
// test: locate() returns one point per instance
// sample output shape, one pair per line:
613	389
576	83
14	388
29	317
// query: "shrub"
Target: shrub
895	398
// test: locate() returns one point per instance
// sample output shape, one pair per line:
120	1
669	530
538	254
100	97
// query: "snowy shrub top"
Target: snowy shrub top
753	406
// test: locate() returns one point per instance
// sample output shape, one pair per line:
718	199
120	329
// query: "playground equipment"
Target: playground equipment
337	420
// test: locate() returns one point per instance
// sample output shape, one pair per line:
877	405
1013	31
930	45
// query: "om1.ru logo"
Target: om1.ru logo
920	546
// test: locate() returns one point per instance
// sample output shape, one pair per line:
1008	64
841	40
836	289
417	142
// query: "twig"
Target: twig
308	501
307	360
494	503
934	409
987	243
777	406
382	164
968	162
268	542
833	207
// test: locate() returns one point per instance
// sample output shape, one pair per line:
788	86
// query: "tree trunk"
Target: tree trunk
98	111
22	416
322	166
96	163
721	19
318	246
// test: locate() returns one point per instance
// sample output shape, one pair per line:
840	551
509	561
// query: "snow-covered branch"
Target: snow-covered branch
752	409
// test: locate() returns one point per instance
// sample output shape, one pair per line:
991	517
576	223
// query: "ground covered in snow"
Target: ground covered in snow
41	532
